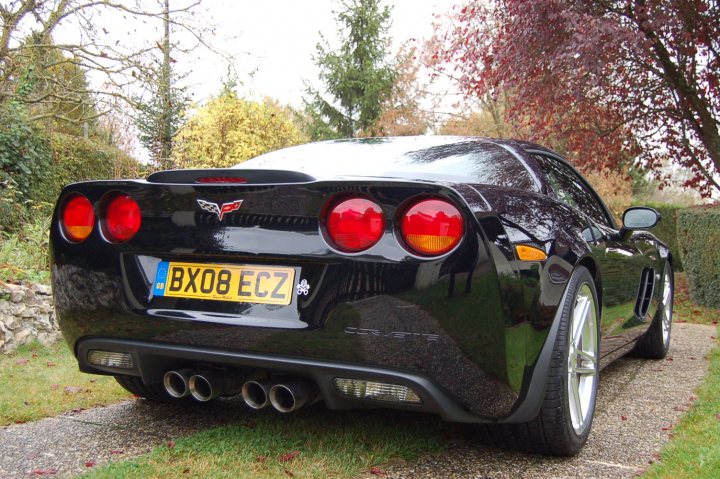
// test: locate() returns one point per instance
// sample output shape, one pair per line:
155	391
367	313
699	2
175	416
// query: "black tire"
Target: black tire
151	392
552	431
652	345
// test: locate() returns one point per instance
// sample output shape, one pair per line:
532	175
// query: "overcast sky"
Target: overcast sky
276	40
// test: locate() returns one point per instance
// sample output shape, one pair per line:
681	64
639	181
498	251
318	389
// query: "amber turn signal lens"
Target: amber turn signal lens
529	253
78	218
432	227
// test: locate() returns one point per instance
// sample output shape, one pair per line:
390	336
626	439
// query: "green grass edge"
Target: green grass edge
694	449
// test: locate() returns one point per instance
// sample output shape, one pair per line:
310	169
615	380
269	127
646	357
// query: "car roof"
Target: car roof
431	158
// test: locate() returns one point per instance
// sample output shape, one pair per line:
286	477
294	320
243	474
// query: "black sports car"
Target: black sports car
482	280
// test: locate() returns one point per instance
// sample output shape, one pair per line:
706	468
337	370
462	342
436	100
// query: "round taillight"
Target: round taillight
355	224
432	227
78	218
122	219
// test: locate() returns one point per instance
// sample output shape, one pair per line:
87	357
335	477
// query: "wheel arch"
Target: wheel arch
589	263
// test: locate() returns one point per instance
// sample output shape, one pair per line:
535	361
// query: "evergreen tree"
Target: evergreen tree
357	76
159	118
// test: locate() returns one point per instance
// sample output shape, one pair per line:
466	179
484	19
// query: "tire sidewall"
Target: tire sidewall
581	277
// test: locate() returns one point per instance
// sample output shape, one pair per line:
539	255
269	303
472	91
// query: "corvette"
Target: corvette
479	279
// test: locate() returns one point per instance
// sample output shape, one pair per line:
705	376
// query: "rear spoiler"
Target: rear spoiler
229	176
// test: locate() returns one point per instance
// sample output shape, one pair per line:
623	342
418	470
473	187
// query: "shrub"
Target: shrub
229	130
614	188
698	237
666	230
77	159
24	254
24	163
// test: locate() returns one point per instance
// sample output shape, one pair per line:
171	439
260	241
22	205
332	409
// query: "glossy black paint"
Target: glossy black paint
476	324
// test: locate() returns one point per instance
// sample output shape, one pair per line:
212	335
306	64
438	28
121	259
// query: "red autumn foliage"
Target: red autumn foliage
616	80
289	456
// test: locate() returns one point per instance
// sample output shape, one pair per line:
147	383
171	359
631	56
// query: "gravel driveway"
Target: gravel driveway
639	400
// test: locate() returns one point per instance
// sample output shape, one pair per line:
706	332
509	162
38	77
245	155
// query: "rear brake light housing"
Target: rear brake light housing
121	218
77	218
354	224
431	227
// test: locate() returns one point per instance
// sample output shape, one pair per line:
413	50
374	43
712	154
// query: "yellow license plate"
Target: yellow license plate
222	282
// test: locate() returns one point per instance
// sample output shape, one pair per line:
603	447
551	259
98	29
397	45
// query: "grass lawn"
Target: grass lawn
694	450
39	381
308	444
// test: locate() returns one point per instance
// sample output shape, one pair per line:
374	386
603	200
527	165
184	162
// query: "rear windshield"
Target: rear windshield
424	158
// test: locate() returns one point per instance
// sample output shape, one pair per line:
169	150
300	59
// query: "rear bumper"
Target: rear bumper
152	360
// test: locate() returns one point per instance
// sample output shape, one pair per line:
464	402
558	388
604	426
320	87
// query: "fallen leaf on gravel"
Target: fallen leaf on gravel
261	459
77	410
20	421
72	389
666	428
679	408
43	472
22	362
50	364
54	387
692	358
289	456
668	359
90	464
171	444
624	418
117	451
376	471
289	474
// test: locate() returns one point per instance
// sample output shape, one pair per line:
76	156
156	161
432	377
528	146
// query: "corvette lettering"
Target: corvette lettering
394	334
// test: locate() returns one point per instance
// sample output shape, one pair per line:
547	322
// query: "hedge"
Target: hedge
666	230
77	159
698	238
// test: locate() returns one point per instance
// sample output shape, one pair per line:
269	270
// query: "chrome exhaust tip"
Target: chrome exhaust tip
256	393
176	383
292	395
205	387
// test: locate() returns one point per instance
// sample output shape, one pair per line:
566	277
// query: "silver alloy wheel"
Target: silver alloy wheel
667	306
582	359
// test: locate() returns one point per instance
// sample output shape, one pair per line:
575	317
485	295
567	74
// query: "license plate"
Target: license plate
221	282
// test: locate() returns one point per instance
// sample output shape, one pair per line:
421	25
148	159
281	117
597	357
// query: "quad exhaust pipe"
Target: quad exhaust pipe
292	395
284	396
176	383
204	386
256	394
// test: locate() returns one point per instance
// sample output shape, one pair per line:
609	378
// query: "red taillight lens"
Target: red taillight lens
355	224
122	219
78	218
432	227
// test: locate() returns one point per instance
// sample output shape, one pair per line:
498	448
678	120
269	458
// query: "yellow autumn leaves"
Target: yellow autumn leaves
229	130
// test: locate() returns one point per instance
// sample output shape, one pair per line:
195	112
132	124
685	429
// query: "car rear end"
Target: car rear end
359	292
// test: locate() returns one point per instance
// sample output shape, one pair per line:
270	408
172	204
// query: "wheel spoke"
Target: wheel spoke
586	370
587	356
579	318
576	402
